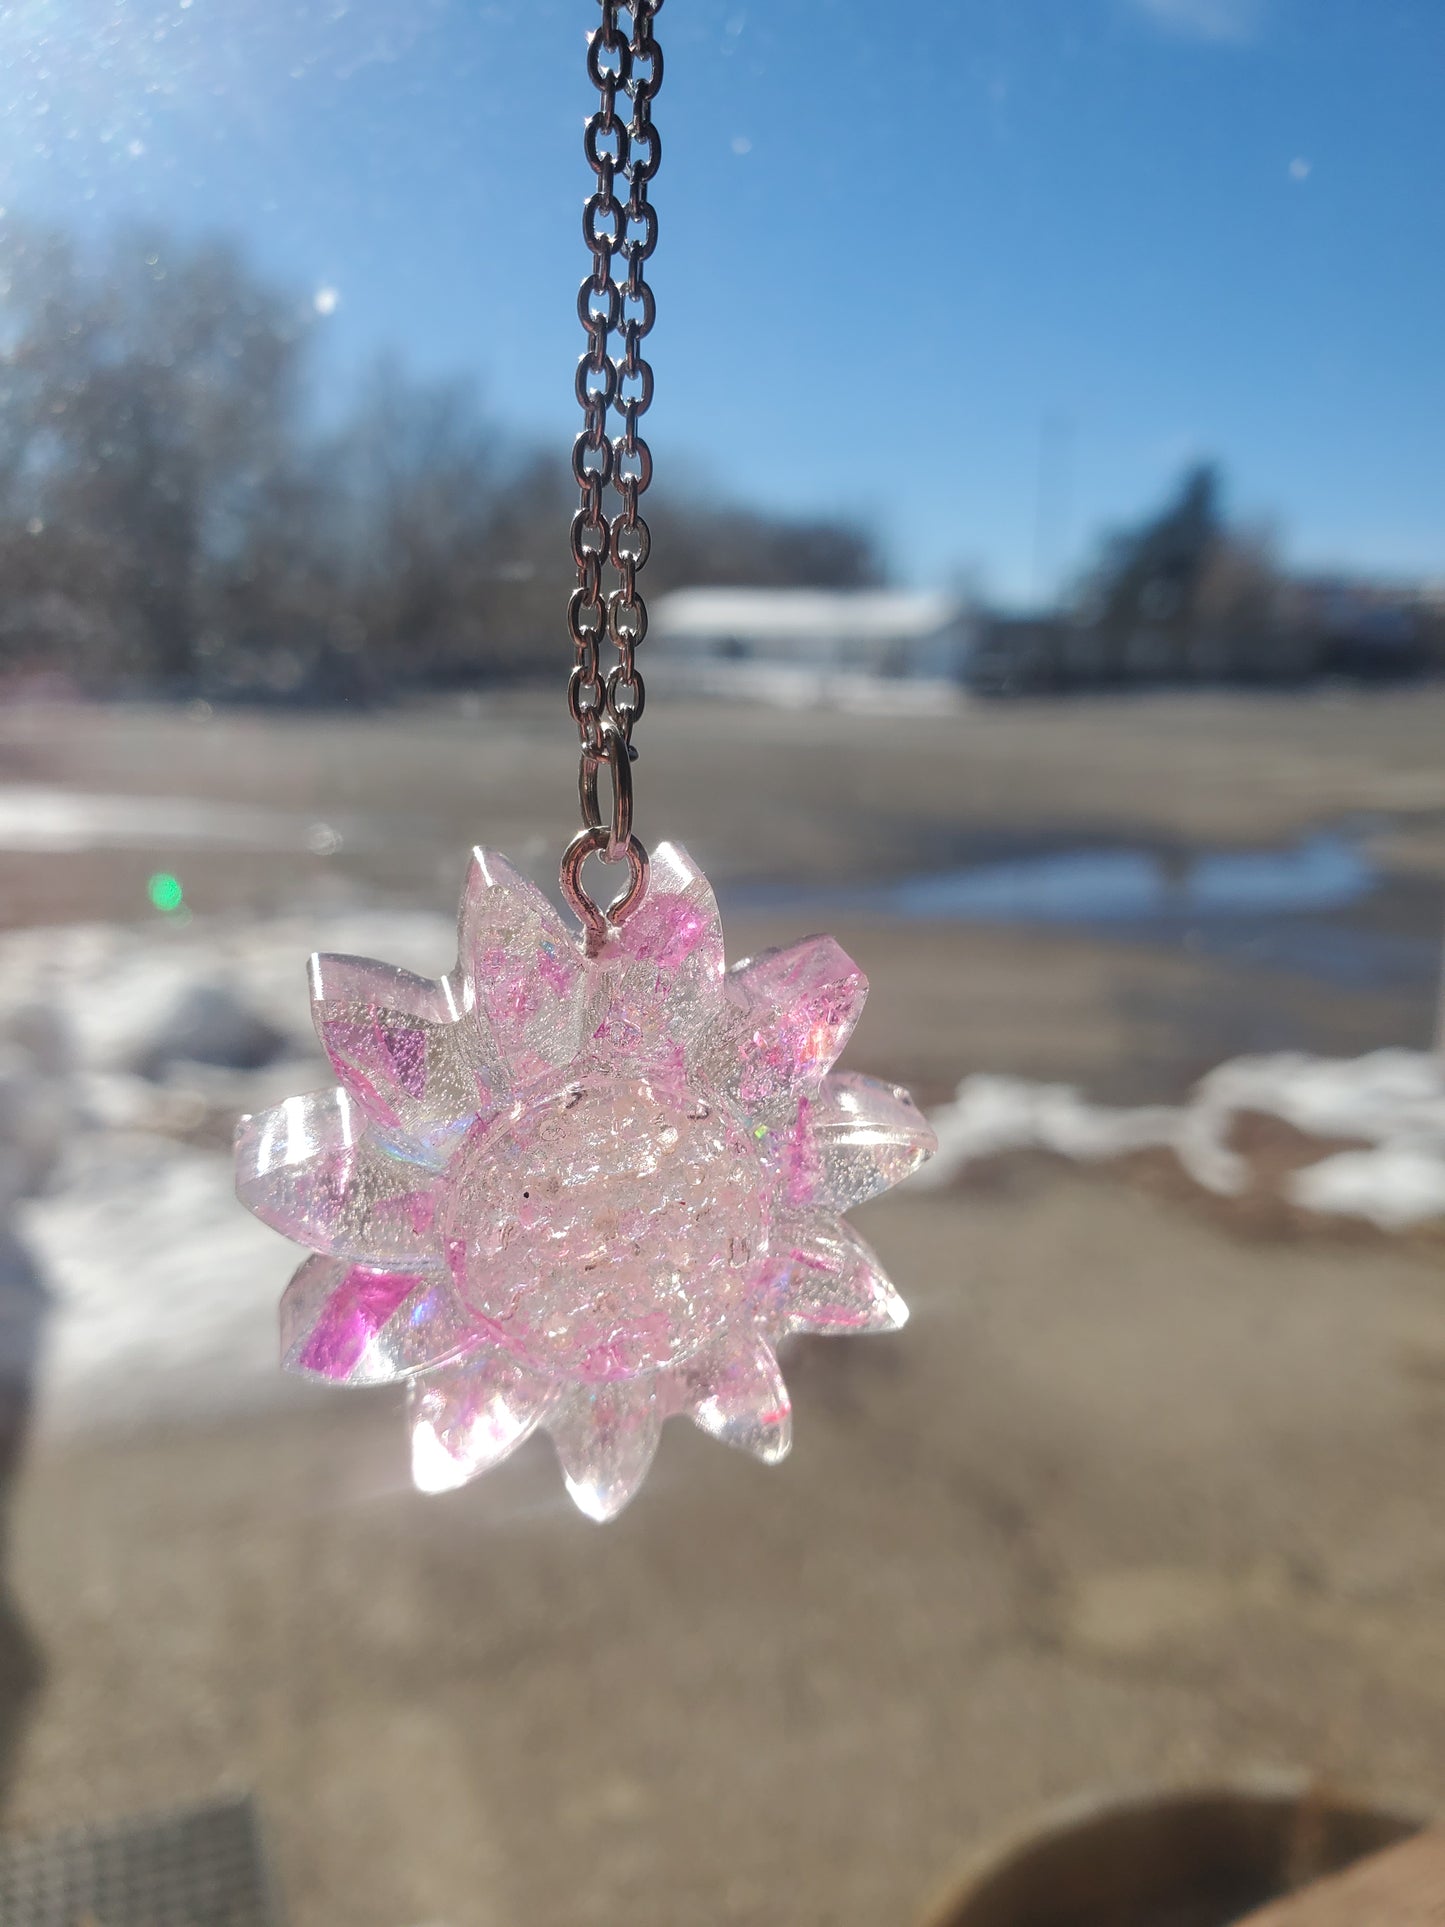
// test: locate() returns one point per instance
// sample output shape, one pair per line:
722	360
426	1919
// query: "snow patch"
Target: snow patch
1392	1099
123	1253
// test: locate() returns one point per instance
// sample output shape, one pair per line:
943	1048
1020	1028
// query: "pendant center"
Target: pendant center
607	1229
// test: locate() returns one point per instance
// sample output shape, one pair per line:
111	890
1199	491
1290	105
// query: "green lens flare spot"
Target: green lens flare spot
165	892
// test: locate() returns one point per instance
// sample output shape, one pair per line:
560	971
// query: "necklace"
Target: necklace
586	1185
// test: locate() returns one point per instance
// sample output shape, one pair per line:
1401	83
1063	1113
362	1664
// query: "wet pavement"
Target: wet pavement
1322	906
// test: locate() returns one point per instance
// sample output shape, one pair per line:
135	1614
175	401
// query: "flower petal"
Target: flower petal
664	966
825	1278
739	1397
466	1418
525	972
676	925
402	1046
798	1009
606	1436
362	1325
312	1170
852	1139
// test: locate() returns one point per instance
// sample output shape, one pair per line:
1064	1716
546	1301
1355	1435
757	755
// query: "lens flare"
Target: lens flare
165	892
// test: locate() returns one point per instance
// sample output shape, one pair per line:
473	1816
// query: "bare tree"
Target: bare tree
145	404
168	518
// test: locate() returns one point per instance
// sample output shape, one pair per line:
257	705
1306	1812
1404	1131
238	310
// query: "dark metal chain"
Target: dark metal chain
606	702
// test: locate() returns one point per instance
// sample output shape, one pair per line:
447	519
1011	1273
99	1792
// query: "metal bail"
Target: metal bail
597	923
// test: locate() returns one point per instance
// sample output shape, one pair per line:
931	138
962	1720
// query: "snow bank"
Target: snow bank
123	1252
1392	1099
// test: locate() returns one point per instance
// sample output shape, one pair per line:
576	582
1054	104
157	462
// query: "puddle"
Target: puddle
1106	886
1305	907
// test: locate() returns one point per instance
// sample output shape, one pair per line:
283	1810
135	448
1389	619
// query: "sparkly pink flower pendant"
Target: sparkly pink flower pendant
581	1192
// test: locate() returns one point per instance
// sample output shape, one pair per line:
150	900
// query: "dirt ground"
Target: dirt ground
1135	1498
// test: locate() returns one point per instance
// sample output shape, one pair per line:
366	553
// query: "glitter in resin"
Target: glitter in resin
581	1194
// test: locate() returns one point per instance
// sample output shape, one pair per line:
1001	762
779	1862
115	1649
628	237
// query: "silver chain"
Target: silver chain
606	703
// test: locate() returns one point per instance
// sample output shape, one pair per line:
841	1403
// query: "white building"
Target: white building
808	641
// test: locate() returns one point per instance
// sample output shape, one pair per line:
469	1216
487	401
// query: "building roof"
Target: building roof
832	614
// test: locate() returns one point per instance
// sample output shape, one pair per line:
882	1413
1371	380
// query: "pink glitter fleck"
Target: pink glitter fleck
355	1313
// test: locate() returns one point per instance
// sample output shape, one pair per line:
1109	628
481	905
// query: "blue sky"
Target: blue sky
906	251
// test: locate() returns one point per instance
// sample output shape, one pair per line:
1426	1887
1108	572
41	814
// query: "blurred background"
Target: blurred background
1047	596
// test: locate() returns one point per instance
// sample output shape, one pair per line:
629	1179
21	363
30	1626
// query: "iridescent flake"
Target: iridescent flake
581	1194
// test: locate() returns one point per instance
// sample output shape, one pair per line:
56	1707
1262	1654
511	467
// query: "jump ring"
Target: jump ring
611	749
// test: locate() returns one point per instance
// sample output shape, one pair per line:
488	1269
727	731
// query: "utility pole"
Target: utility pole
1051	504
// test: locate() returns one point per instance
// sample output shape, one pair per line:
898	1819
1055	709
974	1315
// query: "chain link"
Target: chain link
606	702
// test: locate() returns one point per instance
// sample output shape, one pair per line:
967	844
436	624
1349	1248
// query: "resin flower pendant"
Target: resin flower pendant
581	1193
